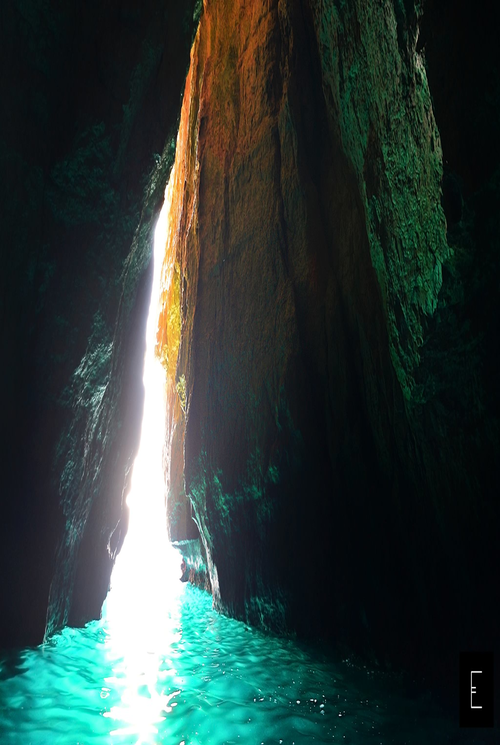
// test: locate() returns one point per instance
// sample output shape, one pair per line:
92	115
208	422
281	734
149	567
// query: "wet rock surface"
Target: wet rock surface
194	563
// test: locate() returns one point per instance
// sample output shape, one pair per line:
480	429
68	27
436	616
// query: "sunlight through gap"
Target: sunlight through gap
146	572
141	611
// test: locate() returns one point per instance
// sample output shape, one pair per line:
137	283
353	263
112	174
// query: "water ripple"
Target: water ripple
218	682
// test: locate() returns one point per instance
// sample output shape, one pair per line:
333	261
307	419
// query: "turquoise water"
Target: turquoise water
216	681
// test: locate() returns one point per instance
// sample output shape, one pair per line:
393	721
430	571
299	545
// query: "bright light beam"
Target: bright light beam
141	609
147	569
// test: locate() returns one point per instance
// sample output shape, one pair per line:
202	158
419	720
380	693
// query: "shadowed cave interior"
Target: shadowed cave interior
328	320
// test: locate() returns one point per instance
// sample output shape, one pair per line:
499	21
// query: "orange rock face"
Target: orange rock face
274	292
180	204
303	271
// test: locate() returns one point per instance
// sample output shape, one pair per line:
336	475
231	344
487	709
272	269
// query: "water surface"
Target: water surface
215	681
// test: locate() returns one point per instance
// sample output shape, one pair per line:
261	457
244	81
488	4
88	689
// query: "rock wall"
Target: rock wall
330	422
90	98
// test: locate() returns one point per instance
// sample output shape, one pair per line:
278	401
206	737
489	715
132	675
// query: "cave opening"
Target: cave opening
145	577
140	614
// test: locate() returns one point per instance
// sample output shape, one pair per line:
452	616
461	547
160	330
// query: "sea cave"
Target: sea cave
250	338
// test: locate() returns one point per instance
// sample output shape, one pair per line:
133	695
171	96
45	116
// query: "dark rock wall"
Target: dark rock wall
335	422
90	96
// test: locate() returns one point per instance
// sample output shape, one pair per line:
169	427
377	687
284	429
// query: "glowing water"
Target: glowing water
216	682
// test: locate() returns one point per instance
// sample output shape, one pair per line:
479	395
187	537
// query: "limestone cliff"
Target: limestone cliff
325	392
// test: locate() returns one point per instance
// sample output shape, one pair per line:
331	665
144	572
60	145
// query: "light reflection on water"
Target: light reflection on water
141	639
216	681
